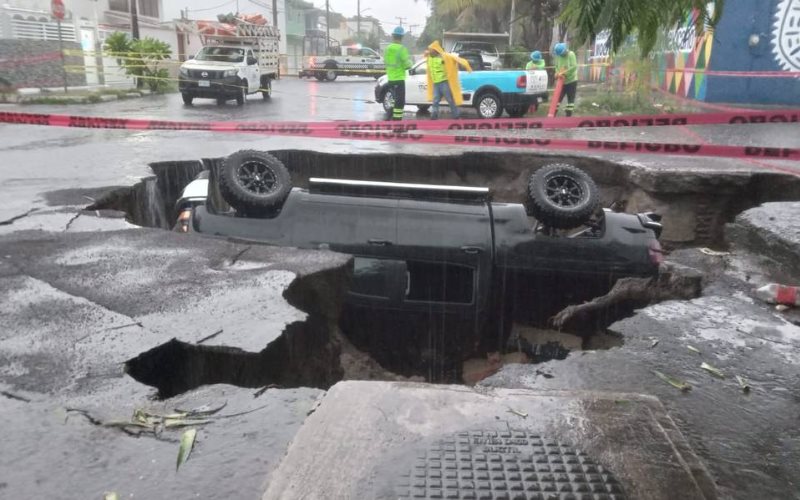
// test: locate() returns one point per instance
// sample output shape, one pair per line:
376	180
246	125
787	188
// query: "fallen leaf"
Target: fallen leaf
743	383
710	369
655	343
110	495
678	384
781	307
200	410
693	349
187	443
172	423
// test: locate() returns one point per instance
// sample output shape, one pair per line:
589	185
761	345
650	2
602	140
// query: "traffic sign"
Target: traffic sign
57	9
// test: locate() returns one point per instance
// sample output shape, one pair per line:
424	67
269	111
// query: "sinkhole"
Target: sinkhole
536	320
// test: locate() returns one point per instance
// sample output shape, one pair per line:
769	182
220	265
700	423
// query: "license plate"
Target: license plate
203	83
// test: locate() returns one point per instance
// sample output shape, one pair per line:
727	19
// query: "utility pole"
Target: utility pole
134	20
358	18
327	27
275	13
511	24
401	20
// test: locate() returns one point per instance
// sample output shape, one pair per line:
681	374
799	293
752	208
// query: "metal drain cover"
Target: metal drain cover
512	465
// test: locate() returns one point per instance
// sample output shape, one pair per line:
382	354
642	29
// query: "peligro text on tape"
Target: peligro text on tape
403	132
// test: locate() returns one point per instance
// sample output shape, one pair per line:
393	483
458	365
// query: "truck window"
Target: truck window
352	51
439	282
373	277
420	69
223	54
369	53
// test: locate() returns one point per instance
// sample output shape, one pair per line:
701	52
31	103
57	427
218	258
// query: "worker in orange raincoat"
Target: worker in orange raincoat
443	79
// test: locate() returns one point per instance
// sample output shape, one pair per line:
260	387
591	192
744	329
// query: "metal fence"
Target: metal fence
39	30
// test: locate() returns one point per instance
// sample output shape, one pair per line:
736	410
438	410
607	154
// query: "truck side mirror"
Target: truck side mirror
251	60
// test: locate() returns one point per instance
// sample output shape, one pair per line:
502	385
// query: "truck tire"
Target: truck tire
221	101
489	105
517	111
388	101
242	94
187	98
330	71
320	76
254	182
561	196
266	88
423	108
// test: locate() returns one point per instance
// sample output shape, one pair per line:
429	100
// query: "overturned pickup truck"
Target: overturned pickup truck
439	272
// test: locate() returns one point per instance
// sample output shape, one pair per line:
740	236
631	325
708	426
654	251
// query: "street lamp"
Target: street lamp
358	17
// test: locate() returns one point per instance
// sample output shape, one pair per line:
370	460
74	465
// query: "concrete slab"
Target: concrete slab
405	440
771	230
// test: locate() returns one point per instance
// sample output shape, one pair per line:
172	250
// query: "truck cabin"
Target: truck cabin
222	54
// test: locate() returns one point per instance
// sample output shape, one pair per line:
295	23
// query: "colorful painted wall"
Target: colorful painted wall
762	39
681	62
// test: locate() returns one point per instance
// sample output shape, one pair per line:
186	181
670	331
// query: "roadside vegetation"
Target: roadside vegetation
141	59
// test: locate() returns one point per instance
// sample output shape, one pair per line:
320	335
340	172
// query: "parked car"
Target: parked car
437	270
489	92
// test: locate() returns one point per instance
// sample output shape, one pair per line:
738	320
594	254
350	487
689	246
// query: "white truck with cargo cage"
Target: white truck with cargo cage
237	59
350	60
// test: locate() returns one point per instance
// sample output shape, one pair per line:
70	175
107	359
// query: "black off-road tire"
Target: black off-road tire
561	196
424	108
187	98
254	182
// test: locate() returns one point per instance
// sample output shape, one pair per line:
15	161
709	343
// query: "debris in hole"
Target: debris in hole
678	384
743	384
518	413
782	307
713	253
11	395
674	282
774	293
694	349
209	337
187	443
713	371
202	410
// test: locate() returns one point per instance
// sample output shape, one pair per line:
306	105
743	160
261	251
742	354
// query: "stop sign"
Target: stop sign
57	9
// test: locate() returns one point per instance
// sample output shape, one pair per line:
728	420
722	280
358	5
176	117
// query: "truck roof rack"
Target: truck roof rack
399	190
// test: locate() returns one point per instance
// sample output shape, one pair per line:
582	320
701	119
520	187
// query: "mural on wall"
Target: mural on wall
680	66
786	35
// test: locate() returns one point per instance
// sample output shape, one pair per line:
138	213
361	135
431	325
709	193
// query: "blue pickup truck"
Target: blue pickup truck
489	92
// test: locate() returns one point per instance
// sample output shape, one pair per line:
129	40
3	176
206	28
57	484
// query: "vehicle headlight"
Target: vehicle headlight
184	71
231	72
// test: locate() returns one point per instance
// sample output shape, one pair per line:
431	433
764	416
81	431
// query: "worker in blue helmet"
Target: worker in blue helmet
567	68
536	62
397	62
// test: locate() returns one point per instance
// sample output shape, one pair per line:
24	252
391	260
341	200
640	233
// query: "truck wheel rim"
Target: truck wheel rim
488	106
257	177
563	191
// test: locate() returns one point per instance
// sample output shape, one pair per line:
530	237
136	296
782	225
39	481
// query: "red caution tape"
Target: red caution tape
411	131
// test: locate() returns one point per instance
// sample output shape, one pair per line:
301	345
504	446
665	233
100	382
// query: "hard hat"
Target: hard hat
560	49
536	55
398	31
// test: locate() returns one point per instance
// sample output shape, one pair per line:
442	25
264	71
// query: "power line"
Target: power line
211	8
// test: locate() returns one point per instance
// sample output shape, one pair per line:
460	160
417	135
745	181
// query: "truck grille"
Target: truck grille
209	74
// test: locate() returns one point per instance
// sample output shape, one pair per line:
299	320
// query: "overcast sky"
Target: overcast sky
385	11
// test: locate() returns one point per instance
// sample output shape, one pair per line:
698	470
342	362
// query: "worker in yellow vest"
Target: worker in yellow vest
443	79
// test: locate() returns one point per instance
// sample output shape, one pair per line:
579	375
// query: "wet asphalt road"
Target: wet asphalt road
37	160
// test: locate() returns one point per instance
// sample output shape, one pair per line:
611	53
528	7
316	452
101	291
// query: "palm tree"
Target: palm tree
645	18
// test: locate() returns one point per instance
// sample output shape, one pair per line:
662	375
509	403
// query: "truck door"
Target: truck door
417	84
448	253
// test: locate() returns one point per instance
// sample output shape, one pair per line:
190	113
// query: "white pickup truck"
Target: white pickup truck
236	60
353	60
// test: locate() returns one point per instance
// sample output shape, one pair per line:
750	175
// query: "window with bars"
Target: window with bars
147	8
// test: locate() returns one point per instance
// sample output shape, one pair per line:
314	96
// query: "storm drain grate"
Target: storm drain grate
509	465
